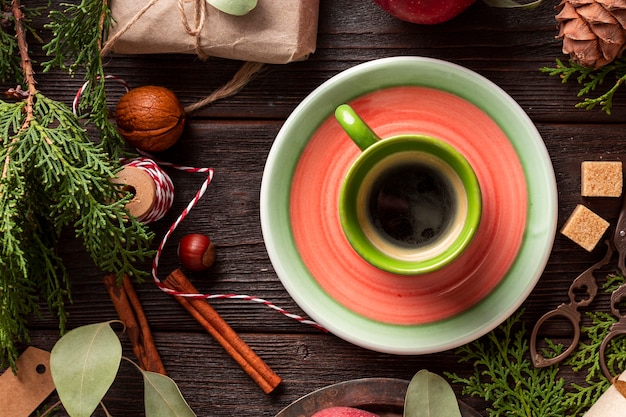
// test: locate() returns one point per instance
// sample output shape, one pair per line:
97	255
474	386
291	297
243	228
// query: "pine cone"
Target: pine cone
593	31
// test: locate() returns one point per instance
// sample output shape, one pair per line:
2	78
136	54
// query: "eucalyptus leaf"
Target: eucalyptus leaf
429	395
162	397
83	365
234	7
512	4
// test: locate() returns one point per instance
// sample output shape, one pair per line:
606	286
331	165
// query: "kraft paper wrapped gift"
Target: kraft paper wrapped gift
275	32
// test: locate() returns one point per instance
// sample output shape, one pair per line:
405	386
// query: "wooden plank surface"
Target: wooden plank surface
235	135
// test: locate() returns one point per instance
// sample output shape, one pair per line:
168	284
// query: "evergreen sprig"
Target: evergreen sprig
586	356
9	60
53	176
505	378
78	32
24	243
591	79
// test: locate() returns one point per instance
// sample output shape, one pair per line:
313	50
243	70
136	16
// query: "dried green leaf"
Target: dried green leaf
83	365
162	397
429	395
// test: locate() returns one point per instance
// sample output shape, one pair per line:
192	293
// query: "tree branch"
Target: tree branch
29	76
20	32
27	66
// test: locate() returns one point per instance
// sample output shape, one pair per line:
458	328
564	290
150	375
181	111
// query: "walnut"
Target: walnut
150	118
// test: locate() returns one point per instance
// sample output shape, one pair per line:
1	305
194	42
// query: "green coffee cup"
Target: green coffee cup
409	204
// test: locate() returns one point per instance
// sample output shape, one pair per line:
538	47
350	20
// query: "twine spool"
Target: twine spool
154	192
152	189
172	228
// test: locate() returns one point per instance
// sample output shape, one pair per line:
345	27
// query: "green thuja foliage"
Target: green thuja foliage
10	63
78	33
9	59
591	79
505	377
586	357
54	177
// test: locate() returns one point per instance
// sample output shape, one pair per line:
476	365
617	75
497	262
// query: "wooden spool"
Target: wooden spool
142	186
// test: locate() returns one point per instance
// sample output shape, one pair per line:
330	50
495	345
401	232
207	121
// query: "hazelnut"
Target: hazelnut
150	118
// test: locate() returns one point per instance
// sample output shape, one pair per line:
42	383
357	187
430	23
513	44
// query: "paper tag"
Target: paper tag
22	392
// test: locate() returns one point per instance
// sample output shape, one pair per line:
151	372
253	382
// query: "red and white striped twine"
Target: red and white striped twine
164	201
181	217
164	188
81	90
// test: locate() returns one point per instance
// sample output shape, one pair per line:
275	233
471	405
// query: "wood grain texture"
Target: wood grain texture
235	135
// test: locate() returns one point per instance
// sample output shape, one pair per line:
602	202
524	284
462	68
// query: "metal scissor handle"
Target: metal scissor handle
617	329
567	311
585	282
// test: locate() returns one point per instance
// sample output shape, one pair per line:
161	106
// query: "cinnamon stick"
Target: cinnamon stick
131	313
215	325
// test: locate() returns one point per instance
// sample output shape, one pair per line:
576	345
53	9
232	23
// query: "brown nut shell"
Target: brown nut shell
150	118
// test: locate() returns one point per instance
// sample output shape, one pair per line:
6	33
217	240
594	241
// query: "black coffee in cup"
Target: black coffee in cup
411	204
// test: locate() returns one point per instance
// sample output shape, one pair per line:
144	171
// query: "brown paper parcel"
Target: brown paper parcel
275	32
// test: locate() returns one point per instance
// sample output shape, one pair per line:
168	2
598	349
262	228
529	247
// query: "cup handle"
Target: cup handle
360	133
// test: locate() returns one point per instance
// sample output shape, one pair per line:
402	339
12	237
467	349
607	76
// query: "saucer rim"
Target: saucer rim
452	332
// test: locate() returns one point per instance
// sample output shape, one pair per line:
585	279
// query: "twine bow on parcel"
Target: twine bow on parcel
200	10
199	19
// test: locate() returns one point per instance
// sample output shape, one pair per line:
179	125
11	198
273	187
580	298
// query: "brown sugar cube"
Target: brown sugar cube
585	227
601	179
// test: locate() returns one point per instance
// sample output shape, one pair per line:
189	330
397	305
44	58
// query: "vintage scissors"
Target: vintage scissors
586	282
581	293
618	328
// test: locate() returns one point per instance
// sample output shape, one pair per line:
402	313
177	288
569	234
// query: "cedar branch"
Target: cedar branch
29	74
29	77
101	22
27	66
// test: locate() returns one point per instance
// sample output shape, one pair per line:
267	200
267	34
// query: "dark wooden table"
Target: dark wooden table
234	136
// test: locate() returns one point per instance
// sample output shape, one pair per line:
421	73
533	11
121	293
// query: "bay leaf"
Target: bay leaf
430	395
162	397
83	365
234	7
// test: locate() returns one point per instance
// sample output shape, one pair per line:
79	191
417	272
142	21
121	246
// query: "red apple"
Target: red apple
426	12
